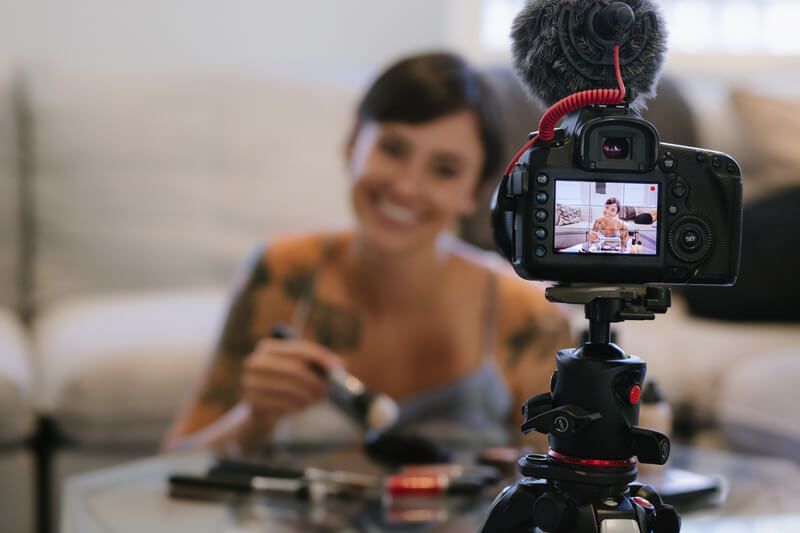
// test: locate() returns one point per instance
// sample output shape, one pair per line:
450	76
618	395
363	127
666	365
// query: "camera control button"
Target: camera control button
679	189
635	394
669	163
540	233
689	240
542	179
672	210
716	162
733	169
541	197
540	251
541	215
701	157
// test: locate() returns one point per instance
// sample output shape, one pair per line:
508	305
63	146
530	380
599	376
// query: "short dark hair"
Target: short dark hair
428	86
613	200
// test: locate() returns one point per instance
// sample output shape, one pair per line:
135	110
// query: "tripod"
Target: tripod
585	483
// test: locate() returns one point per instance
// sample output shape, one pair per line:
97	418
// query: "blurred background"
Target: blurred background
147	146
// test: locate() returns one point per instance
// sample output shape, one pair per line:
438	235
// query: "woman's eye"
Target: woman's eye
445	171
392	148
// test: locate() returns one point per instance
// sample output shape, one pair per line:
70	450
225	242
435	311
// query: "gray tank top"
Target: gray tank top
471	411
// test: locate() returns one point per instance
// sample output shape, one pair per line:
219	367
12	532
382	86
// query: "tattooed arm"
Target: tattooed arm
213	414
253	381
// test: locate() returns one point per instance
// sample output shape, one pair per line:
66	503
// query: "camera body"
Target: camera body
606	201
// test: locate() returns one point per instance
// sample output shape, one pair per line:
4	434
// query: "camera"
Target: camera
606	201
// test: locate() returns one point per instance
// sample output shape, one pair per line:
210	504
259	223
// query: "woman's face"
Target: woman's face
411	181
610	210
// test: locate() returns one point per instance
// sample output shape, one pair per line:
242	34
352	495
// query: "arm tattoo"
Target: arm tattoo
299	283
335	327
539	332
237	339
521	340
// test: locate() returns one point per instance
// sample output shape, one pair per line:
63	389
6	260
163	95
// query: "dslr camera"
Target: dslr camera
606	201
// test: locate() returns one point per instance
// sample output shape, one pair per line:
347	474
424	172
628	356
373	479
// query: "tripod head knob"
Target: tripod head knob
650	446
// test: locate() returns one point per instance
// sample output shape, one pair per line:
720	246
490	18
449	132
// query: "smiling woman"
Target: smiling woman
455	338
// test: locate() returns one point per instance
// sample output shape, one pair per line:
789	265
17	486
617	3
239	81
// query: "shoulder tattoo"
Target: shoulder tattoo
335	327
298	283
538	336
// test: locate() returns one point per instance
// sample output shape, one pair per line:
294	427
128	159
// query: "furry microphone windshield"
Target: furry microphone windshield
561	47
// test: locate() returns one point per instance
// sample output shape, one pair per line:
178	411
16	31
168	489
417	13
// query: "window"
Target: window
695	26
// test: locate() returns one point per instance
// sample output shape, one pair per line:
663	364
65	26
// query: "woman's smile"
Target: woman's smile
394	214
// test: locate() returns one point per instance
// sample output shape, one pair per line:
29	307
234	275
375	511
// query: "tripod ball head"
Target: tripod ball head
592	411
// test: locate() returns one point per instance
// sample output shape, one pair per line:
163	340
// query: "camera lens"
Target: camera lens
616	148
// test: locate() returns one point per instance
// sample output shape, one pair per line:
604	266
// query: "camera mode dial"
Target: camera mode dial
690	239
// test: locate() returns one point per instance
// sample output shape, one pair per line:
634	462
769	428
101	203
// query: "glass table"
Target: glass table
760	495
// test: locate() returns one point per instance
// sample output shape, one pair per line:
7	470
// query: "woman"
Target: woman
456	339
610	226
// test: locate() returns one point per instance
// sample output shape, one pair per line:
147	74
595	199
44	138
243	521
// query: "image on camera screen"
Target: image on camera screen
605	217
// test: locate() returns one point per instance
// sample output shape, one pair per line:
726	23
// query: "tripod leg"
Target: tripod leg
512	510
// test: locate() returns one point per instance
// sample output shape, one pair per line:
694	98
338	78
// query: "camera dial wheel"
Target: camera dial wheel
690	239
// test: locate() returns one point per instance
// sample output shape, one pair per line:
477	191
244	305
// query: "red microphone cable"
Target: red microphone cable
571	103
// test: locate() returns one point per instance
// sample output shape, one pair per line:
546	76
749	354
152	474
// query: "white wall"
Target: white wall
250	35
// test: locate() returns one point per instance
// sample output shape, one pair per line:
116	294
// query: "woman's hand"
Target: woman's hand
284	376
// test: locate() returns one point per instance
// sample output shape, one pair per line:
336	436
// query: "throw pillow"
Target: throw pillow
567	215
627	213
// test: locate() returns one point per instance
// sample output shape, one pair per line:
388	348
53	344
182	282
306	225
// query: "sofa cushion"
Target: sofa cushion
114	368
690	356
167	181
772	126
757	405
16	387
9	192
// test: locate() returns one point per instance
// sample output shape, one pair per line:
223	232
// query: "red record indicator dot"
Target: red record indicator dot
635	394
653	188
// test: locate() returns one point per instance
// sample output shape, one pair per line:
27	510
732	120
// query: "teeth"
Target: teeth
396	212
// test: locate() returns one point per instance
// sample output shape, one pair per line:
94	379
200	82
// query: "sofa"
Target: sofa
128	198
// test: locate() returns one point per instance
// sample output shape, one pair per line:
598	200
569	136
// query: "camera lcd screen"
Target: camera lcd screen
606	217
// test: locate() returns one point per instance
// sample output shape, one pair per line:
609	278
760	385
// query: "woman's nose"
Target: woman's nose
410	182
